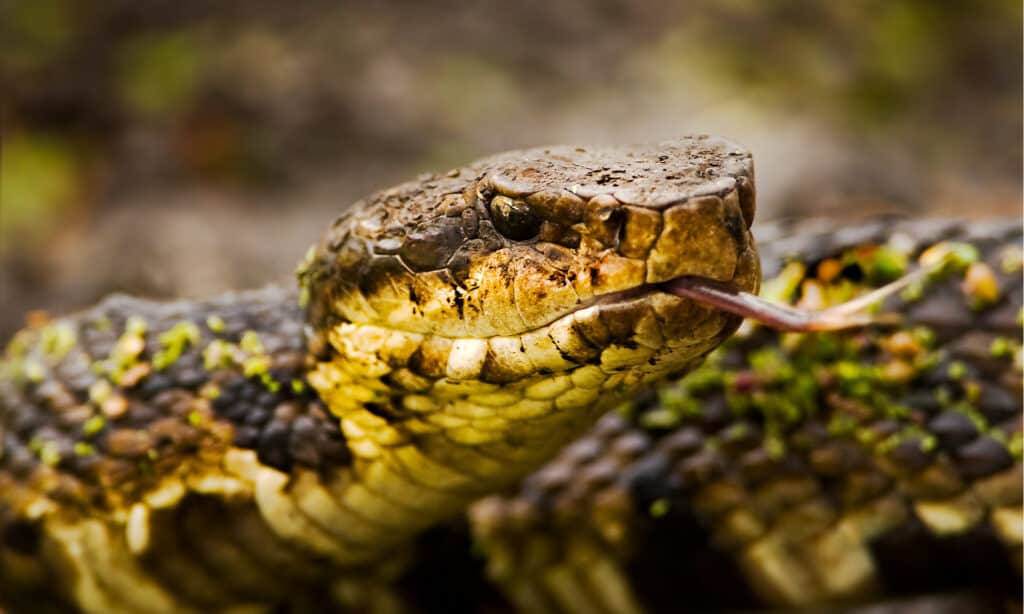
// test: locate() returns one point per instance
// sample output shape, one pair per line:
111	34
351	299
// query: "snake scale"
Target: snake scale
453	345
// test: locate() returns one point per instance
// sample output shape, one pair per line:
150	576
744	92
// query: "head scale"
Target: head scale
522	289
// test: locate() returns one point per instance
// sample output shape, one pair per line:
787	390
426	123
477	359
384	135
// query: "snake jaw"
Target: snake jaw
502	308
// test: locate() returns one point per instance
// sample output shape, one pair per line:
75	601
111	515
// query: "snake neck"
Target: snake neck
432	423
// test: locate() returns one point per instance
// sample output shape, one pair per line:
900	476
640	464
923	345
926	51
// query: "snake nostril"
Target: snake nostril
734	223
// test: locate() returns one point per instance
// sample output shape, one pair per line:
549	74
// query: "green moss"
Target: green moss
885	264
913	292
270	383
1015	446
1001	347
58	339
678	401
705	379
93	425
961	255
84	449
126	352
100	391
298	386
219	354
173	343
215	323
659	508
48	454
784	286
33	371
250	343
775	446
924	336
256	366
1011	259
660	419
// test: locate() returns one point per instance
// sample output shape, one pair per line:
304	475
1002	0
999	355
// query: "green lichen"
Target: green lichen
913	292
774	444
1015	445
659	508
33	371
783	286
173	343
956	370
910	433
216	324
298	386
960	255
256	366
46	451
250	343
57	339
660	419
677	400
270	383
1001	347
249	355
220	354
93	425
1011	260
126	352
884	264
84	449
100	391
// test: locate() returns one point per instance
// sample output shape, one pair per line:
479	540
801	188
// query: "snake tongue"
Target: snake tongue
852	313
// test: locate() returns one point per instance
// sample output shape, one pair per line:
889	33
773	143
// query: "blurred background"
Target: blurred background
183	148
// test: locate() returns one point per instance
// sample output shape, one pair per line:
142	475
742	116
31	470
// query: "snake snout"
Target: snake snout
706	236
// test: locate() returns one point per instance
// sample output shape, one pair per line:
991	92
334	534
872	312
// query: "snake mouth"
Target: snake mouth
672	287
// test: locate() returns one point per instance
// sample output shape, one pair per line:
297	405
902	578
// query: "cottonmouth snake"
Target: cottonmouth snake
284	449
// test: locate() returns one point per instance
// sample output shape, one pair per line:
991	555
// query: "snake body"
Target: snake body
449	337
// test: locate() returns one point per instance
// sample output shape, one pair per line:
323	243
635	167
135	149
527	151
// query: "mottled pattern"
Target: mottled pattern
478	321
125	413
126	390
276	449
798	469
460	330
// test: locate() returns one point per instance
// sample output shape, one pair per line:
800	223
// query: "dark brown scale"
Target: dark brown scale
982	457
159	414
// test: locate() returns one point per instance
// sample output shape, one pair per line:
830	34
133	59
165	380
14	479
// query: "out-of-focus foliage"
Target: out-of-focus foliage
154	146
39	186
878	64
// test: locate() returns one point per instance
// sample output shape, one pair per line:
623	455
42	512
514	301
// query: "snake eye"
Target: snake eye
514	219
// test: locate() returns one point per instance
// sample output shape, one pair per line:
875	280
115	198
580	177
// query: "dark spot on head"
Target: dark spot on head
459	302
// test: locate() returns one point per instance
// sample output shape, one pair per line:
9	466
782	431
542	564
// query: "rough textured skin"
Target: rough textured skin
282	450
460	330
799	469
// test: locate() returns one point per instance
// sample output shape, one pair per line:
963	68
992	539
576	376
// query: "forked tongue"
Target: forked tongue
849	314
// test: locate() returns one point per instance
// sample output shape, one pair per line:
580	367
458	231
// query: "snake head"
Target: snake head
533	265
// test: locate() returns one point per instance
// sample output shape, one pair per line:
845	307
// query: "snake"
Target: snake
497	354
